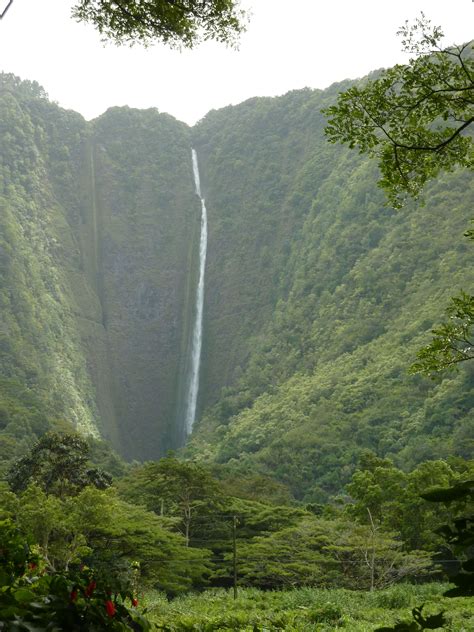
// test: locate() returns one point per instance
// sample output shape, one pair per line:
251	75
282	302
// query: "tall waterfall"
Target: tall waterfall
193	383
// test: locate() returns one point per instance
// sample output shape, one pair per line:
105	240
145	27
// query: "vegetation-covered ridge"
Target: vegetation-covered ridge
43	373
347	289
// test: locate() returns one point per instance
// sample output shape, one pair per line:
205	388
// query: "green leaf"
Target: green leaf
23	595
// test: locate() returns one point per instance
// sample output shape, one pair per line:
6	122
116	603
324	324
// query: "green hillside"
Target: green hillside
330	293
317	294
43	371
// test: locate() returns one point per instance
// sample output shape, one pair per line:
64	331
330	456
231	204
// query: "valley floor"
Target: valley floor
306	609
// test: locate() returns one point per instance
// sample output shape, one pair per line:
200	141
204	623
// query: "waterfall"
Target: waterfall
193	382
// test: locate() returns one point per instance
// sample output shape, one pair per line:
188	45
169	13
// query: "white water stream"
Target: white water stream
193	389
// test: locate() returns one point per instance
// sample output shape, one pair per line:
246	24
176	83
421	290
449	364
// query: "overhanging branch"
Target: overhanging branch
3	13
433	148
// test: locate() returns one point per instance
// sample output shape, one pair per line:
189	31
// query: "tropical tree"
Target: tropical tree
459	539
413	118
371	557
179	489
109	535
290	557
59	464
384	496
459	534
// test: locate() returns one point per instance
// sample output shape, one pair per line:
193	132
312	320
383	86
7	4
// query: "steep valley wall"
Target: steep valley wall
147	219
98	240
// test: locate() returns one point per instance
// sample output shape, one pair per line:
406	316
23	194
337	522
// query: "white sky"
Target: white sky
288	45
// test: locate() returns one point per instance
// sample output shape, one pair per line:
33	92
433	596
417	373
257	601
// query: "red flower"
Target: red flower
90	588
32	566
134	602
73	595
109	606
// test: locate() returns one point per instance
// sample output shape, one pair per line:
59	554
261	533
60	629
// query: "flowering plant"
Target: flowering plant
79	599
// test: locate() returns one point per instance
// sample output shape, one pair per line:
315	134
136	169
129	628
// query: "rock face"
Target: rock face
99	226
147	216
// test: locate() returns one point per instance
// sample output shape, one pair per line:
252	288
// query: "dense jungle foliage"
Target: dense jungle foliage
83	551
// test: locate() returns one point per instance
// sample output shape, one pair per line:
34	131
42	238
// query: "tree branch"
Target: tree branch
434	92
136	18
399	166
434	148
3	13
458	55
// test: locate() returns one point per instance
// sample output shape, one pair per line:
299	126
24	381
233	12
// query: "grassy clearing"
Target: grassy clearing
305	609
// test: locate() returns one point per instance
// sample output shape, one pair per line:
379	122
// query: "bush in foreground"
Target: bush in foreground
75	600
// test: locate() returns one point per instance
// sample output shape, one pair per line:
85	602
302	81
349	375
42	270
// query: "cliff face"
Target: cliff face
317	295
147	216
99	225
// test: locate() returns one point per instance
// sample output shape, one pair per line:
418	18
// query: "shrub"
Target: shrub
326	613
73	600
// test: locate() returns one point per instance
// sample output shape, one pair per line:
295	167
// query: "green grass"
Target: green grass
304	609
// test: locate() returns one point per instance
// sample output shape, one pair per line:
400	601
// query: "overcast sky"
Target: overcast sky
288	45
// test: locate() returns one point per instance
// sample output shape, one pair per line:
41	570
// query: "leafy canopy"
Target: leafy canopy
59	464
453	340
414	117
176	23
